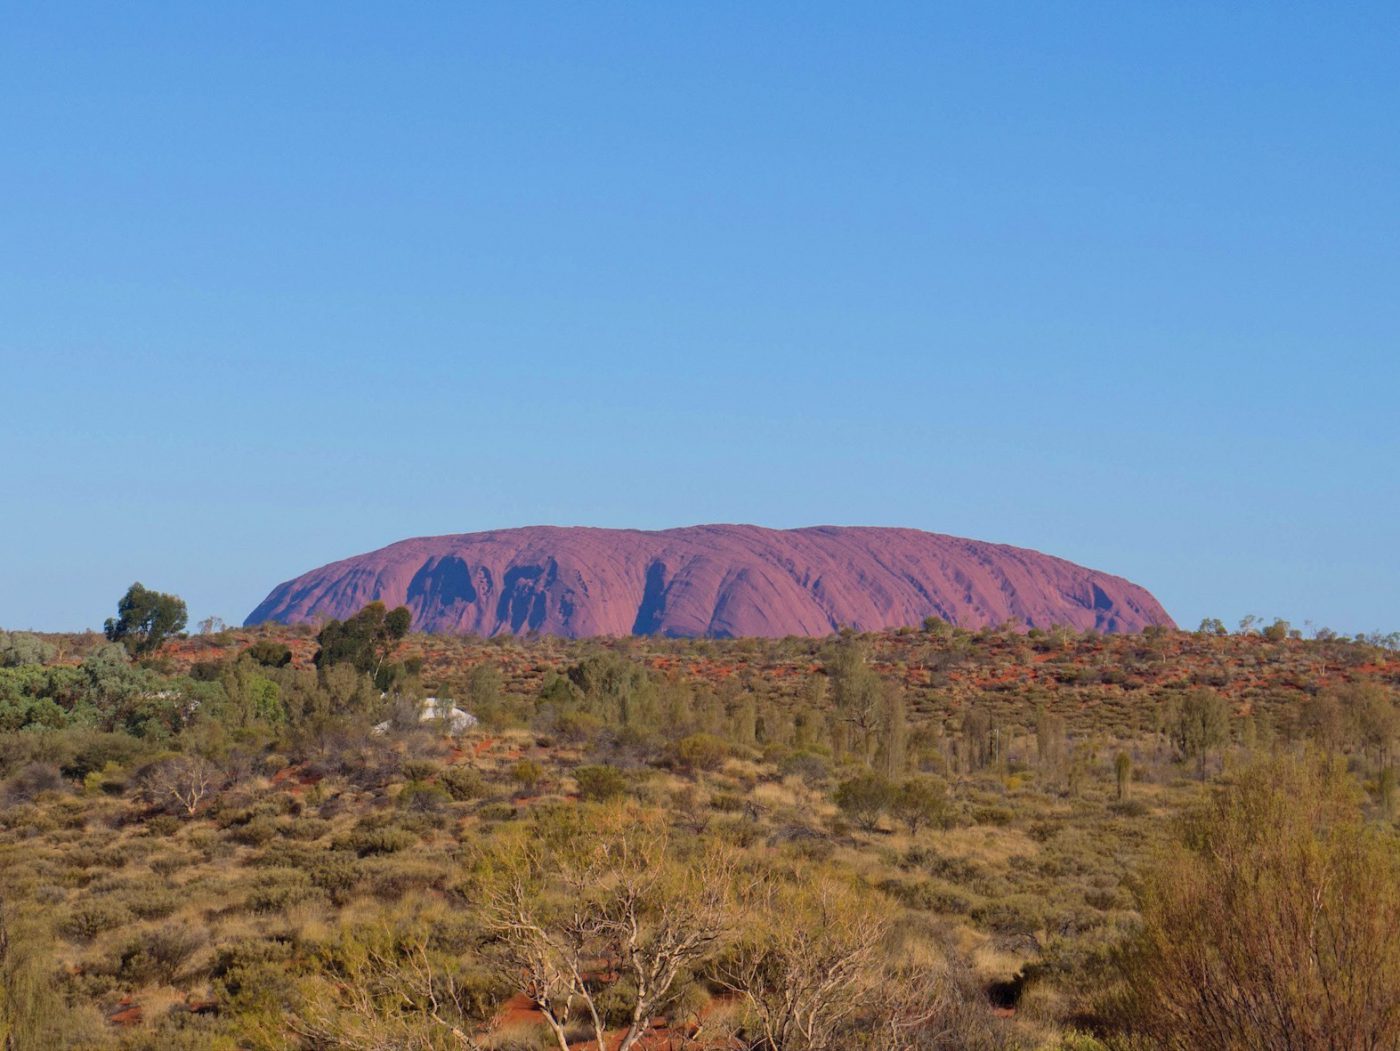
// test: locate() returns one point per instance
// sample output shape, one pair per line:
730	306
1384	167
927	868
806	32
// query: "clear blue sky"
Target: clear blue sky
284	282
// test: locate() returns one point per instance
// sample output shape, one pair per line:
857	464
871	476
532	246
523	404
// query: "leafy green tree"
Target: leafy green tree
365	640
1122	772
270	654
865	799
614	689
484	691
145	619
920	801
1202	725
892	753
20	649
1377	720
856	693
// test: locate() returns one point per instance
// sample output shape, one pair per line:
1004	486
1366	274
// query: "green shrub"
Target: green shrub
163	826
419	769
270	654
1128	808
462	783
701	752
336	872
366	842
160	955
727	802
998	816
250	976
256	833
307	828
390	878
274	890
87	919
423	797
33	781
169	863
929	896
154	903
527	774
600	782
1021	914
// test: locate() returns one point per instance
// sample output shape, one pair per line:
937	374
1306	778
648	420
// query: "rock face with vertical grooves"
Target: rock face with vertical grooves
720	581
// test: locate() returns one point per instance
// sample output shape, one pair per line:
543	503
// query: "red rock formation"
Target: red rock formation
719	580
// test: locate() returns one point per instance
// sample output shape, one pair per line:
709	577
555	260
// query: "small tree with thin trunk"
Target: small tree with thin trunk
865	798
1122	772
920	801
1202	724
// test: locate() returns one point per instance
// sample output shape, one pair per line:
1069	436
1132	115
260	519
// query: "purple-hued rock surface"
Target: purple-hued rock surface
714	580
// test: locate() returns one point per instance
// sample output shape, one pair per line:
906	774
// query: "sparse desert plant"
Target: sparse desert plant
160	955
463	783
599	783
527	774
1202	724
1272	923
31	782
865	799
180	783
701	752
813	970
585	885
87	919
920	801
423	797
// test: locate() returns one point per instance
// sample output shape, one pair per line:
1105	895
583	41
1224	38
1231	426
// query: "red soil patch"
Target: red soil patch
127	1013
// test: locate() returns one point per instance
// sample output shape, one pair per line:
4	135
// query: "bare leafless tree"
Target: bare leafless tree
574	914
181	783
804	976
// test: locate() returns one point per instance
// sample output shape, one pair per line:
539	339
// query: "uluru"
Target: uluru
720	581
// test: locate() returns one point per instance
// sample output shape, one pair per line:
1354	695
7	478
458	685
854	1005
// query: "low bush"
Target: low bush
423	797
87	919
462	783
275	890
599	782
160	955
